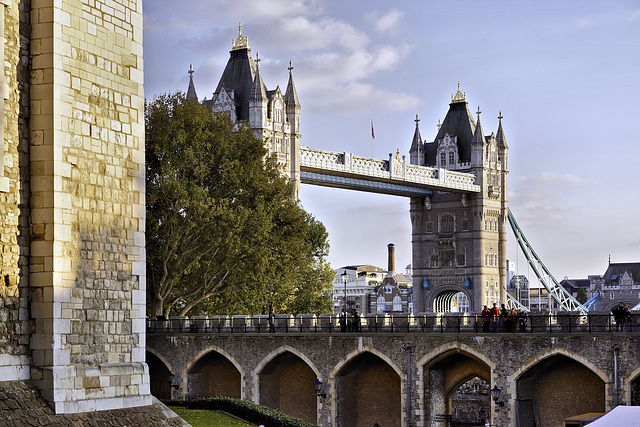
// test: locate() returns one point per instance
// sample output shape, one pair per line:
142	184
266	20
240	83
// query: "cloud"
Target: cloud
387	22
635	16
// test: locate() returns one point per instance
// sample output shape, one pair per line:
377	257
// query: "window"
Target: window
381	304
443	159
462	259
434	260
428	227
397	303
452	158
465	224
447	258
446	224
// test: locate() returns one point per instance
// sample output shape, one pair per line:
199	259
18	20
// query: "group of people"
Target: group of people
504	319
349	322
622	317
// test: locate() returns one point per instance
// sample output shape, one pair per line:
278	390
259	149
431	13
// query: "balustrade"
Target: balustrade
537	322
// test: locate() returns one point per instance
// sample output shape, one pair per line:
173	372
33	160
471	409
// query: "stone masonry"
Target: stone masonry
72	203
565	373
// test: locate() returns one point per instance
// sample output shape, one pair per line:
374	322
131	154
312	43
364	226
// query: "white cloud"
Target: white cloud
387	22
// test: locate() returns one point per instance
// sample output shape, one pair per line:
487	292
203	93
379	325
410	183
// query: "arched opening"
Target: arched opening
286	383
158	372
451	302
635	392
556	388
470	403
368	392
457	385
214	375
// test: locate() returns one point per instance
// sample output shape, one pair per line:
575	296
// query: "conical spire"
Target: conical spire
290	96
416	144
502	141
258	92
191	91
478	135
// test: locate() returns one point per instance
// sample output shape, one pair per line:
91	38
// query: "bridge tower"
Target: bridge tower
273	116
459	240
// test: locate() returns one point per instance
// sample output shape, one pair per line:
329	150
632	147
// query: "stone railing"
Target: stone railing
394	169
536	322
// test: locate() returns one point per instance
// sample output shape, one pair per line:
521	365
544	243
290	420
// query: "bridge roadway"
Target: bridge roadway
394	176
402	376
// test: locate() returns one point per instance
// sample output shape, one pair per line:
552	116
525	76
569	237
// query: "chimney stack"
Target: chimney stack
392	258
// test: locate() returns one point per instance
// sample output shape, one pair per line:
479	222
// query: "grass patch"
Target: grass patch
207	418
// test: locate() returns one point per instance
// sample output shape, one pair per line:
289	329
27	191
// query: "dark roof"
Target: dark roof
616	270
238	76
570	284
458	122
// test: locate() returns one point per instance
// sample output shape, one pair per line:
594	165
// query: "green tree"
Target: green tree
581	295
224	234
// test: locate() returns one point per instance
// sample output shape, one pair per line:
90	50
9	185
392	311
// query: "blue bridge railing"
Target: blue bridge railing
557	322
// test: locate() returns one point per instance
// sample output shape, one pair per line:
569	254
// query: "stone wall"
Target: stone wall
14	191
566	374
87	271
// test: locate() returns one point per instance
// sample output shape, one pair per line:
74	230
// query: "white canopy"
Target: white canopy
620	416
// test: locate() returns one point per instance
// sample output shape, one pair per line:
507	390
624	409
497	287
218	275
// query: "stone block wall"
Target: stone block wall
87	270
14	190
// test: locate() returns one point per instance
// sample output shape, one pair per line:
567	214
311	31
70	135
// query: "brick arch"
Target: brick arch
553	352
367	349
218	378
167	364
269	357
551	407
389	412
478	365
626	384
192	361
284	380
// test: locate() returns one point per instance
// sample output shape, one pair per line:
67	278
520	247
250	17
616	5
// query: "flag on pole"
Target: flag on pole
373	135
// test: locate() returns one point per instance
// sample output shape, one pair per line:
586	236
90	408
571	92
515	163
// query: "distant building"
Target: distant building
620	283
540	300
519	289
372	290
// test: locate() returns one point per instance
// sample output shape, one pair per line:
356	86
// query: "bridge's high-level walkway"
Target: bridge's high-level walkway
394	176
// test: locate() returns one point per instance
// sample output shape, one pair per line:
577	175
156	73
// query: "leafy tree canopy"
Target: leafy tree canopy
224	234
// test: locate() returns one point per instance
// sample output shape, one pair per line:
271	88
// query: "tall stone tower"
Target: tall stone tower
459	241
273	116
72	194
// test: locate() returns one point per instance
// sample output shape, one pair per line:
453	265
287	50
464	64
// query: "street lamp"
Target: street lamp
495	394
345	279
317	385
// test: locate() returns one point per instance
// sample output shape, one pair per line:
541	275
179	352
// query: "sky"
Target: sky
565	76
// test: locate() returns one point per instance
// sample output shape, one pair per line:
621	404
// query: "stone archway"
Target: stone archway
286	383
158	371
368	391
555	388
214	375
446	376
451	301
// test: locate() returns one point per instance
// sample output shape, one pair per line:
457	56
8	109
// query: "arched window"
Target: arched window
397	303
382	305
446	224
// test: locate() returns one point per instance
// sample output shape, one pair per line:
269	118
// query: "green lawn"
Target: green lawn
204	418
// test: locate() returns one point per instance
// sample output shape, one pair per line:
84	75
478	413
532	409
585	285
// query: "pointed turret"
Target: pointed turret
477	143
415	152
292	103
502	141
258	100
191	91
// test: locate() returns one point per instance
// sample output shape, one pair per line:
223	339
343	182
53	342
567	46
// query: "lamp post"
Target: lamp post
495	394
345	279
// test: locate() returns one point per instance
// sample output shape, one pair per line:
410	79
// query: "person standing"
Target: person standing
486	314
356	321
494	314
342	320
272	321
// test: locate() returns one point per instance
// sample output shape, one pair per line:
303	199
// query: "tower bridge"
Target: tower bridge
407	377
